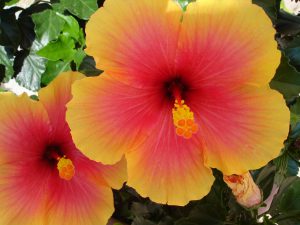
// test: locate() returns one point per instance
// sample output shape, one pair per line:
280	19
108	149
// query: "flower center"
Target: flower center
65	166
183	117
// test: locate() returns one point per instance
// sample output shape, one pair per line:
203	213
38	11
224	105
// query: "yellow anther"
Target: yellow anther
65	168
183	119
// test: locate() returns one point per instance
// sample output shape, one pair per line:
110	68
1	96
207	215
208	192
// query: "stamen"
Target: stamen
65	168
183	119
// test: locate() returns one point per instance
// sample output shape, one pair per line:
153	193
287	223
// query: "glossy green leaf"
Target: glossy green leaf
78	58
53	69
71	26
62	48
7	62
48	25
81	8
31	72
12	2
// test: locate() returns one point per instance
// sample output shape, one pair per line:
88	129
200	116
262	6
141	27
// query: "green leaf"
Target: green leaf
292	168
184	3
58	7
62	48
286	80
88	67
12	2
295	113
31	72
294	57
265	179
285	207
81	8
7	62
53	69
48	25
71	26
78	58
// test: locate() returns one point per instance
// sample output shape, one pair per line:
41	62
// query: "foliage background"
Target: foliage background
47	38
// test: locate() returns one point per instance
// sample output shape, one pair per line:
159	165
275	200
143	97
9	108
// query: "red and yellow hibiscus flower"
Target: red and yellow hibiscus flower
44	178
182	92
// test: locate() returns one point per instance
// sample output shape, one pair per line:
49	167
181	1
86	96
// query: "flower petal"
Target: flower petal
108	118
24	129
115	175
23	187
132	40
168	168
83	200
243	128
222	42
30	187
55	96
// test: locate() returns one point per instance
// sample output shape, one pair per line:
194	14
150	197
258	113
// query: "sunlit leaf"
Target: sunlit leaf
62	48
71	26
48	25
31	72
12	2
81	8
53	69
7	63
78	58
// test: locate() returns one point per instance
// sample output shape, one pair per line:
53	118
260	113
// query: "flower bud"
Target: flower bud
246	192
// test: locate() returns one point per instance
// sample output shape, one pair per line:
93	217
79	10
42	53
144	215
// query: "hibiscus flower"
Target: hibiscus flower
44	178
181	93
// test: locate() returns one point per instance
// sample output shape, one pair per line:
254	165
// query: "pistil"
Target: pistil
183	117
65	166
